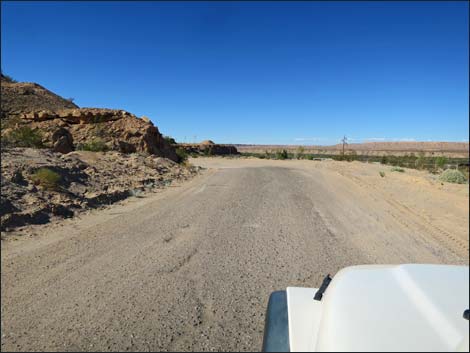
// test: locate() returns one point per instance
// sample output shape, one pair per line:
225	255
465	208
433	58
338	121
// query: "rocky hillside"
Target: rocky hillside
39	185
61	125
21	97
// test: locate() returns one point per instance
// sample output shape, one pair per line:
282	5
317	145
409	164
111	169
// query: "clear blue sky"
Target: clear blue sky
257	72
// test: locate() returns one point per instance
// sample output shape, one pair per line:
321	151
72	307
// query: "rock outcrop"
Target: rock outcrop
116	129
31	105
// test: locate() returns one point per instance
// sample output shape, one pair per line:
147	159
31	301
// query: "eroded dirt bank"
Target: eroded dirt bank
39	185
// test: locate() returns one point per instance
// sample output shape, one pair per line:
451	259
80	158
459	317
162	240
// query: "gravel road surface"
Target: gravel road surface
191	268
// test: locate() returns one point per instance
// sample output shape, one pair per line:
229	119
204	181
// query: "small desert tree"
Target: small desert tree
300	152
182	155
282	154
441	162
170	140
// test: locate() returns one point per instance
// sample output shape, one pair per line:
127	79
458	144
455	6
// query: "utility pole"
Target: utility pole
344	140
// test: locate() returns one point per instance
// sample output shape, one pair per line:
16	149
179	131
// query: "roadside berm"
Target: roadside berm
39	185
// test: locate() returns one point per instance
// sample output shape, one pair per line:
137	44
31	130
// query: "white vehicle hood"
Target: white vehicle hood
377	308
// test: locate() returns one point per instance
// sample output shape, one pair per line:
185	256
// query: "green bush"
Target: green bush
96	145
99	120
453	176
170	140
182	155
382	174
420	162
24	137
282	154
207	151
397	169
46	178
300	152
441	162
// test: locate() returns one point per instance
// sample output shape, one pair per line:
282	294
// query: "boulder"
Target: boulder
62	141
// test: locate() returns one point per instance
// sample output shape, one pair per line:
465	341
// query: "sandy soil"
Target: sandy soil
191	268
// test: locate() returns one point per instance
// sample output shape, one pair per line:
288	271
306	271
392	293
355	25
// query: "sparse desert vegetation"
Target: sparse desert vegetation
182	155
46	178
95	145
38	184
184	161
453	176
50	162
420	161
23	136
397	169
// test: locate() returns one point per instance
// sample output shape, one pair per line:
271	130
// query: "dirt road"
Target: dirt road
191	268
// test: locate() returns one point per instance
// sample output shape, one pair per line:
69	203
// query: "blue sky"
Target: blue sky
254	72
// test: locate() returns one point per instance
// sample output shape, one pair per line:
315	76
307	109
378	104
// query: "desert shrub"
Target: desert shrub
453	176
420	162
382	174
340	157
441	162
46	178
9	78
170	140
351	156
309	157
182	154
10	123
397	169
99	120
95	145
282	154
208	151
24	137
99	127
28	90
300	152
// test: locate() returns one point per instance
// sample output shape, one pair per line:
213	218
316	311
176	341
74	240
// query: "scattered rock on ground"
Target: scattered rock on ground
87	180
